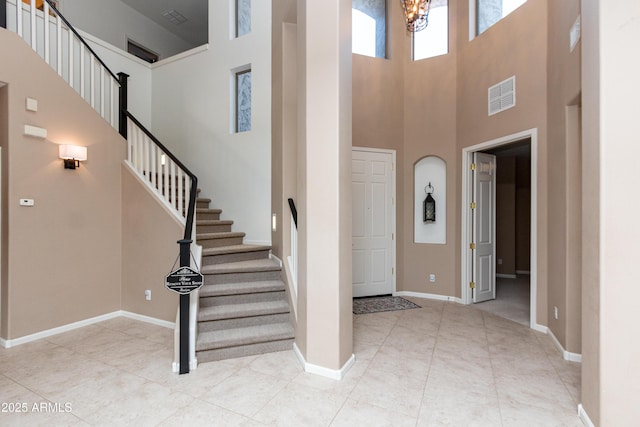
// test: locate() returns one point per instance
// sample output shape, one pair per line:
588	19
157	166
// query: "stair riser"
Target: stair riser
207	216
216	228
217	243
235	257
244	350
243	322
242	298
253	276
202	204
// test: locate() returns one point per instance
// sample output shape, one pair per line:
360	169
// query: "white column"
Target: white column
325	330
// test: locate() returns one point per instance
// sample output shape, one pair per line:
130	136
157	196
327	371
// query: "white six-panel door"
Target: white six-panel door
484	233
373	222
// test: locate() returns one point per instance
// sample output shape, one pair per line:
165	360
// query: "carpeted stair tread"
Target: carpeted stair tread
234	311
207	210
214	222
231	249
243	336
241	288
254	265
203	199
221	235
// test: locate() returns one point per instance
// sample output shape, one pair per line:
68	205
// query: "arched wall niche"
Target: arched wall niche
430	169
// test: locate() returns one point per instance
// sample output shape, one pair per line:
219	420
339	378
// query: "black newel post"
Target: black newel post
122	104
185	261
3	14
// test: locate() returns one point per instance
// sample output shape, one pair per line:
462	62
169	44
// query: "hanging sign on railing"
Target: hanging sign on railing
184	280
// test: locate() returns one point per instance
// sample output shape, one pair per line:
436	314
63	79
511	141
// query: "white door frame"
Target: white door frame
465	235
393	202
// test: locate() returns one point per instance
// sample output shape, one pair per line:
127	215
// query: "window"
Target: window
243	100
433	40
369	32
243	17
488	12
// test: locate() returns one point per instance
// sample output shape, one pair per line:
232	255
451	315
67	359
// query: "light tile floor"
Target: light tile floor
512	299
441	365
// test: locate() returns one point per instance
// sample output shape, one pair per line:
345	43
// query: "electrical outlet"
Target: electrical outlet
432	278
147	294
499	261
555	312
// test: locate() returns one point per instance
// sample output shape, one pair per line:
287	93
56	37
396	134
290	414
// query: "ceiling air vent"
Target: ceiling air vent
502	96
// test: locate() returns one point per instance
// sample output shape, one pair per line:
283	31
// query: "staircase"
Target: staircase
243	305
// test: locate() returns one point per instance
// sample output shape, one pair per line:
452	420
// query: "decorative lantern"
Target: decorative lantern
429	205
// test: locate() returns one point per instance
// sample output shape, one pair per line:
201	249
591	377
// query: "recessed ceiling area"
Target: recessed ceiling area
187	19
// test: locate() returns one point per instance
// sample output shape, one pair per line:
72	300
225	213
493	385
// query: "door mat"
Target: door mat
378	304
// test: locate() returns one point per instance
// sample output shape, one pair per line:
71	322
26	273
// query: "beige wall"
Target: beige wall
149	250
611	230
564	195
63	258
4	219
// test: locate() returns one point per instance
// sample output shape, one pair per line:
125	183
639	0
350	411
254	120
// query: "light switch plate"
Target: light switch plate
27	202
32	104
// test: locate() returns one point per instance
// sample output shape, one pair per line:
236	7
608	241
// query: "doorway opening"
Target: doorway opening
512	257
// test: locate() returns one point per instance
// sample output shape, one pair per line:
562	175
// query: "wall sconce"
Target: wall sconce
429	205
72	155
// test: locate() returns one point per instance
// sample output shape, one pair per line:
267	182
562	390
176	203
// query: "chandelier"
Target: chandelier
416	14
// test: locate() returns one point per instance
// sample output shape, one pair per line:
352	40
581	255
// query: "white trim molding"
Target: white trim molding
334	374
584	417
465	234
427	296
566	355
82	323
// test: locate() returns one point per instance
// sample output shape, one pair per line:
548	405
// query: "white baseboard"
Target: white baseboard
82	323
584	417
334	374
275	258
193	365
540	328
257	242
427	296
527	272
566	355
506	276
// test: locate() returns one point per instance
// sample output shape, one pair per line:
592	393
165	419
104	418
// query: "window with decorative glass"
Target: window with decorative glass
369	27
433	40
488	12
243	17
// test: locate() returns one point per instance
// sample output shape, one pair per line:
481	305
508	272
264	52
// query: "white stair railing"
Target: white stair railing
57	42
162	173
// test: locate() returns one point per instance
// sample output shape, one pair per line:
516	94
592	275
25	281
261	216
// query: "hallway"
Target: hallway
442	364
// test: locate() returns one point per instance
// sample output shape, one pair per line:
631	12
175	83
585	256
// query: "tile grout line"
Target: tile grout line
493	373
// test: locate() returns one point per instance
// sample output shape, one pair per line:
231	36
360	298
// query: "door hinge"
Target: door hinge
472	246
472	205
392	201
473	166
393	270
472	285
393	167
392	236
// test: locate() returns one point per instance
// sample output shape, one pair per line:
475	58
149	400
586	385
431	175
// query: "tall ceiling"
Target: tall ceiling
194	30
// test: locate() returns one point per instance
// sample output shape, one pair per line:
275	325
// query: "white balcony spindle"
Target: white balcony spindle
102	91
34	42
180	199
92	76
173	184
47	56
82	73
111	103
19	17
71	82
129	141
